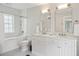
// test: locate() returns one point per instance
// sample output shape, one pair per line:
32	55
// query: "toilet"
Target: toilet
24	45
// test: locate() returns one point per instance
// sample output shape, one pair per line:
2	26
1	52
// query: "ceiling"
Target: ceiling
21	5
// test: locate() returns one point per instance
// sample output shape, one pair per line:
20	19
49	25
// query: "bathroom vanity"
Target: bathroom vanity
44	45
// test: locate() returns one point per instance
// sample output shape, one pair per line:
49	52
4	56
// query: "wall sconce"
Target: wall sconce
45	11
63	6
48	12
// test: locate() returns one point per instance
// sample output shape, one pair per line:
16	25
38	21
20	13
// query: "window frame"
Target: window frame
8	22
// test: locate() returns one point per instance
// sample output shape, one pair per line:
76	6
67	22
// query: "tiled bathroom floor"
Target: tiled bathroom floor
17	52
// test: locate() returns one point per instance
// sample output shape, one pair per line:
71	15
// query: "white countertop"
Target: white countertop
55	36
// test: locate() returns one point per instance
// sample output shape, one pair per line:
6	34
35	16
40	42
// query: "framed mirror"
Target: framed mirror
64	20
46	21
68	24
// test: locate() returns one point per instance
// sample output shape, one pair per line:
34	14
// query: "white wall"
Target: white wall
1	32
76	17
7	41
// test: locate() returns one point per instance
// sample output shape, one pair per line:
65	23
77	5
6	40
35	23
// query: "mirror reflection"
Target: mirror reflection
64	20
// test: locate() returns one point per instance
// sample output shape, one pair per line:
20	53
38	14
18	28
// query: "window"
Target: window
8	23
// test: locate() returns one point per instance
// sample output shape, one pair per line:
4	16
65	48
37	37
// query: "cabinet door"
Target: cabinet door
52	47
61	47
39	46
68	47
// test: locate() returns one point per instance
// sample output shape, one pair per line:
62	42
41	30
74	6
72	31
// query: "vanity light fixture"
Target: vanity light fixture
45	11
63	6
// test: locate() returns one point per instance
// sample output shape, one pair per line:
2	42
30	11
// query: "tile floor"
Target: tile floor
17	52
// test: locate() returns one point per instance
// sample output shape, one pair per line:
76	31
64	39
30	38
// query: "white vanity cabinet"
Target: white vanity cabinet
53	48
61	47
39	46
46	46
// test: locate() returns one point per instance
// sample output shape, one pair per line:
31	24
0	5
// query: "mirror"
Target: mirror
64	20
68	24
46	22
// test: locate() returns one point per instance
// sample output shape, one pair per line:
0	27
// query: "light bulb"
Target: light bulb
63	6
45	11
